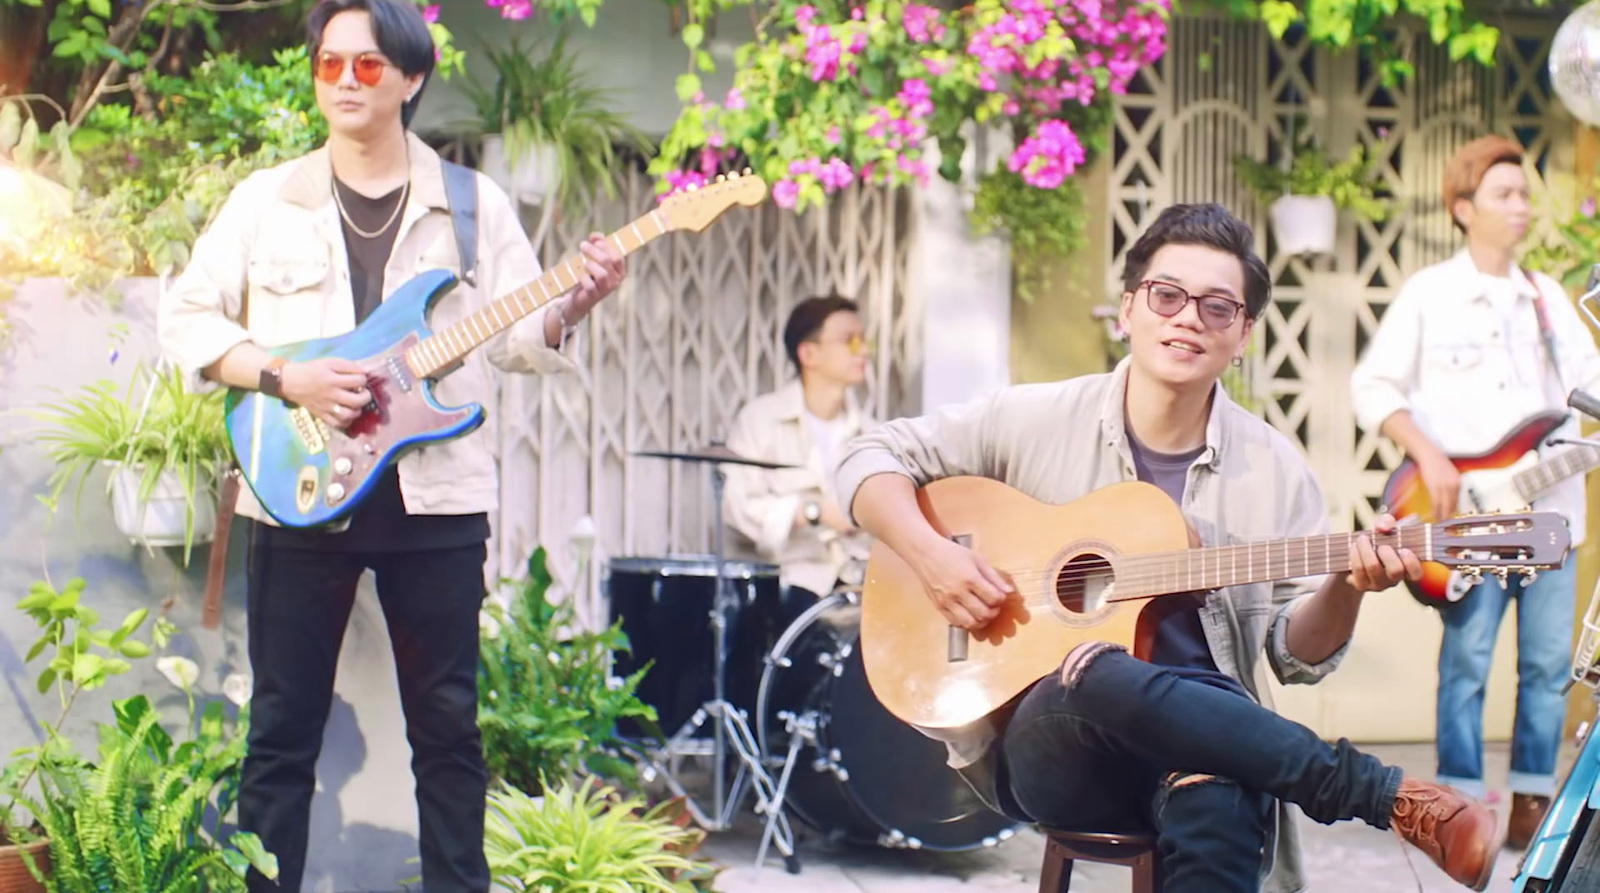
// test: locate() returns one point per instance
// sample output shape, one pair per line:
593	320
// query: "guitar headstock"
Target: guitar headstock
1502	544
697	207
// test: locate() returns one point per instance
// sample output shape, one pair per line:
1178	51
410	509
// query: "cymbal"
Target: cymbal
718	453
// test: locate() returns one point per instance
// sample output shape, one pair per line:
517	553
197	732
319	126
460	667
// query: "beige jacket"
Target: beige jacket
1059	441
759	504
277	247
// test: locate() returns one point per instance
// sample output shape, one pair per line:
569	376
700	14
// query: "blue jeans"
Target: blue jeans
1544	656
1124	745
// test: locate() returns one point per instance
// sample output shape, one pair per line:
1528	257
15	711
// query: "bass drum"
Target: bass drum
867	778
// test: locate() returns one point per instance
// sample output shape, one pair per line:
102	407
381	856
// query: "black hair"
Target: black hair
1211	225
807	319
400	30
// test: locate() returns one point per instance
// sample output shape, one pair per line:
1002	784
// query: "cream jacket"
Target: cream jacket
1470	368
276	248
759	505
1059	441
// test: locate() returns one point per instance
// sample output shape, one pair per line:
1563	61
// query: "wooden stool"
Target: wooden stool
1062	848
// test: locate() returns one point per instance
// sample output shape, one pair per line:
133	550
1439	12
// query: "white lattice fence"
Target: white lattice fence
1227	88
666	363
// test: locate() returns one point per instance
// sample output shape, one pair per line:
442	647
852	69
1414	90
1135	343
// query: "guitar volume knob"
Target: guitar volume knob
342	465
335	492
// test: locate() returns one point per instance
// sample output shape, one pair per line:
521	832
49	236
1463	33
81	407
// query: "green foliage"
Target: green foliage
137	819
543	99
1042	224
222	110
82	656
48	153
585	838
545	708
1353	184
1368	25
182	434
1574	248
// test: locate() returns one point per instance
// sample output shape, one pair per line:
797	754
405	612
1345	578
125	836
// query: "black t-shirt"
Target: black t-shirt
380	524
1180	640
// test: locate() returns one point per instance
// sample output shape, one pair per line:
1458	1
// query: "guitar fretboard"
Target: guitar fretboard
445	348
1535	481
1188	570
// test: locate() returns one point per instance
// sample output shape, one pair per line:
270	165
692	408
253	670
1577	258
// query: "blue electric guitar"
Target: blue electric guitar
306	474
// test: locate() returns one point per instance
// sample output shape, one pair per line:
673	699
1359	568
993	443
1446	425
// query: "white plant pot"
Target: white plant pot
535	175
159	522
1305	224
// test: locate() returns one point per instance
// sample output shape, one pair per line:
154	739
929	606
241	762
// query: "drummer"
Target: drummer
790	516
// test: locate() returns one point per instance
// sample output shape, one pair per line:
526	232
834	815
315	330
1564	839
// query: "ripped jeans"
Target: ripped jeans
1125	745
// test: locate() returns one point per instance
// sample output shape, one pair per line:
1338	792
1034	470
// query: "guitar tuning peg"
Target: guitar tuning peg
1501	574
721	177
1529	575
1473	575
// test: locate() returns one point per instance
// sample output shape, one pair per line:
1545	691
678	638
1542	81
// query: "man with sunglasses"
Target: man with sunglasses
790	516
1183	743
306	250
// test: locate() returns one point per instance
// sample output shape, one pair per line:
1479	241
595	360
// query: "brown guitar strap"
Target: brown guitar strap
217	569
1545	331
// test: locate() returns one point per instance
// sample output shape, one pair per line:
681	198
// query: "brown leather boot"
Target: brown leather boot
1455	831
1527	813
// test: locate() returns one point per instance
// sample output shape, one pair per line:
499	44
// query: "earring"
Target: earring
1238	362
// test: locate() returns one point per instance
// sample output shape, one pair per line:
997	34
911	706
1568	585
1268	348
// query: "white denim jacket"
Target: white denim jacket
1470	366
1059	441
277	248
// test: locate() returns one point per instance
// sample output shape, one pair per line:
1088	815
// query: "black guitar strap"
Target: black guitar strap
461	193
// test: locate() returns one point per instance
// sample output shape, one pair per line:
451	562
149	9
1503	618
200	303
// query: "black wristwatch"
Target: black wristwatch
813	513
272	378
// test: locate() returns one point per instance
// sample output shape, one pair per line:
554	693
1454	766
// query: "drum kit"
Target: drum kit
730	649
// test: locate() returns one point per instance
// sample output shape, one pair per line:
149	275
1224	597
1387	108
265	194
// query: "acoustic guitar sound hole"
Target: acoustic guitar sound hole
1084	583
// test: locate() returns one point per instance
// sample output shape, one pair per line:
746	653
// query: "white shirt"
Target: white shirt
829	435
1462	351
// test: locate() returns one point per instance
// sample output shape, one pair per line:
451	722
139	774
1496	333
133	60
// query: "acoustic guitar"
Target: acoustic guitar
1507	477
306	474
1075	568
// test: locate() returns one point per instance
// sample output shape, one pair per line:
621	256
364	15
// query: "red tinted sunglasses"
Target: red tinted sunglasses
329	67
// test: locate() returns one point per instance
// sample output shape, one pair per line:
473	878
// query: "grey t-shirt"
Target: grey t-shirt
1180	640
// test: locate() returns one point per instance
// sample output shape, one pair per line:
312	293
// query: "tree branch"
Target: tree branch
121	37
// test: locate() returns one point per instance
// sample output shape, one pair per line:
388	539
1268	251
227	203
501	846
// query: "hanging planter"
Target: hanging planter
14	874
163	519
1305	224
533	177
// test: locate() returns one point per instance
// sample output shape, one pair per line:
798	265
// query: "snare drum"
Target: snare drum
665	608
862	775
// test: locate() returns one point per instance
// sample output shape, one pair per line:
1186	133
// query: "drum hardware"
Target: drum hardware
731	732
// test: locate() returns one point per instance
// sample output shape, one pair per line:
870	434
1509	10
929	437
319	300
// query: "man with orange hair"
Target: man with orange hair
1470	348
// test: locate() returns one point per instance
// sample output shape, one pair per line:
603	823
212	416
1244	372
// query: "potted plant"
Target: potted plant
165	454
82	657
1305	196
1572	250
547	133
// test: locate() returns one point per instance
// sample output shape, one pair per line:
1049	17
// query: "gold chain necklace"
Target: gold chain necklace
404	191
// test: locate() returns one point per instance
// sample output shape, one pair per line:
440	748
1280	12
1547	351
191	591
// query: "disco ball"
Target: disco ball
1575	63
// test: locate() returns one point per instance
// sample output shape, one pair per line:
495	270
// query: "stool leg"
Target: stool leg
1145	871
1056	874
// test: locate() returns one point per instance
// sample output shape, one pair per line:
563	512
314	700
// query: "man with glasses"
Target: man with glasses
1182	743
307	250
791	516
1468	349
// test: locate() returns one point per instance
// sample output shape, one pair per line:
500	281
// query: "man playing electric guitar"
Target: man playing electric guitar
1459	360
307	250
1178	743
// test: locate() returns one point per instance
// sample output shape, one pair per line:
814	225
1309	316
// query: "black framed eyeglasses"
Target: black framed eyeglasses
1167	299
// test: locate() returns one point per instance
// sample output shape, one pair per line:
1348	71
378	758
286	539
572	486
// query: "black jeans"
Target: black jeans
299	604
1124	745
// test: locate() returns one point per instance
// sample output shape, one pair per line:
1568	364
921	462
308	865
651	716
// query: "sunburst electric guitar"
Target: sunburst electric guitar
1506	478
1076	567
306	474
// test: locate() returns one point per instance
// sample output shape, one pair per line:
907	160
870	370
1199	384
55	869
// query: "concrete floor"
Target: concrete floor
1347	856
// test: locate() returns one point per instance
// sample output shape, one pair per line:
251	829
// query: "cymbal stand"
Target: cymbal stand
730	728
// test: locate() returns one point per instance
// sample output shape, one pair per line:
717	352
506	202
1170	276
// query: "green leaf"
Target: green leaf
693	35
47	679
250	845
10	125
86	667
134	648
101	8
36	650
688	85
28	145
1278	15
